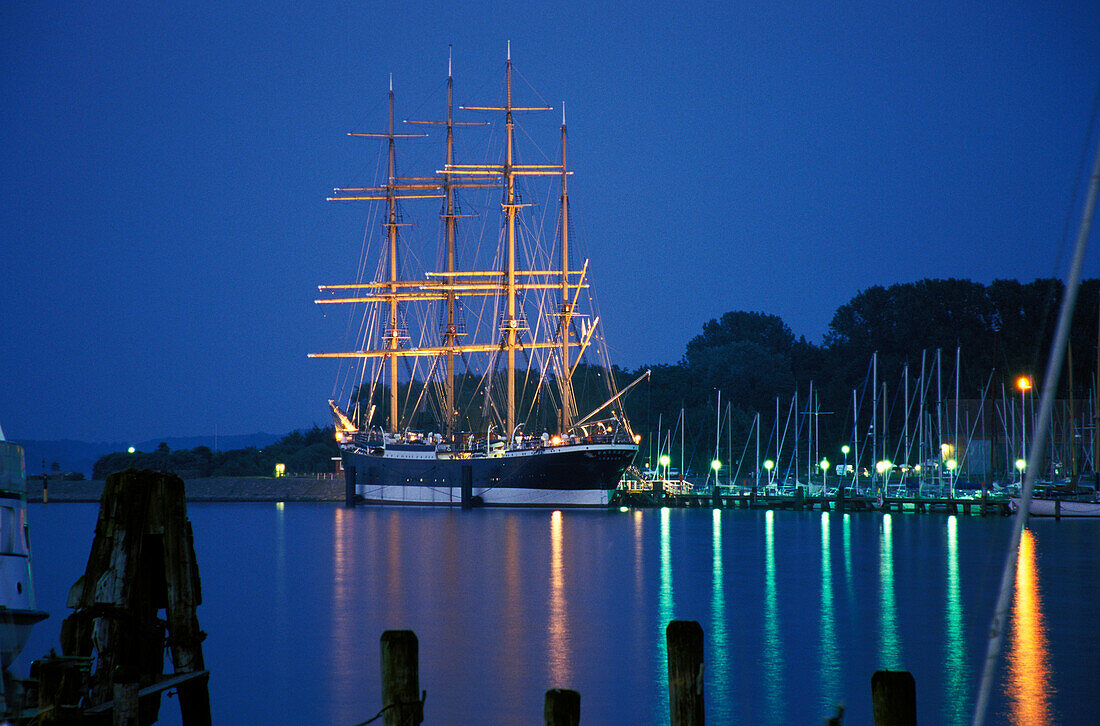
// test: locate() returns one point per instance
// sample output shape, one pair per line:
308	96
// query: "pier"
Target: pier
842	500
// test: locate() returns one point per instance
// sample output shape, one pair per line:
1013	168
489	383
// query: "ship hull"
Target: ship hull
567	476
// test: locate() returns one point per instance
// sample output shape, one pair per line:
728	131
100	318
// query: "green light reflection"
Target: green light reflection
890	652
718	609
664	609
958	675
829	660
773	645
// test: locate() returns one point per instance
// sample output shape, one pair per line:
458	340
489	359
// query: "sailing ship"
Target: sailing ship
518	316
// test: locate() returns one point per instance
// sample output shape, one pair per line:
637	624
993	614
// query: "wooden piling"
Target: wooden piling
401	701
799	498
142	560
840	498
685	672
894	698
563	707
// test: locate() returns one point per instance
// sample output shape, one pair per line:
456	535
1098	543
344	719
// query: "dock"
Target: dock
842	500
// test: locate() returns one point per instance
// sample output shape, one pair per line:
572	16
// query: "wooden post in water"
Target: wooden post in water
563	707
840	497
142	561
894	698
401	702
685	672
799	496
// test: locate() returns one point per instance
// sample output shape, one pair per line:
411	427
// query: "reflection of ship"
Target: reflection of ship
17	608
505	431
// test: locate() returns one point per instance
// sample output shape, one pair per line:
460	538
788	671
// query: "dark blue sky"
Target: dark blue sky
164	173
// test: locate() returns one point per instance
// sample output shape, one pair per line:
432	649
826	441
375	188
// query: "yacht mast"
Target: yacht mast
566	307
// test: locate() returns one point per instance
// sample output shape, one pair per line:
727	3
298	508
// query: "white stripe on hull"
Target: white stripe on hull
490	496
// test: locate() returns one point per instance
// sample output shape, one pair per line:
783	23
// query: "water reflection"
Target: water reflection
890	653
560	675
828	659
955	705
664	609
773	644
344	679
1029	689
720	651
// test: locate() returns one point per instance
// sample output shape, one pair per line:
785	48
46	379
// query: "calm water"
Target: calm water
798	608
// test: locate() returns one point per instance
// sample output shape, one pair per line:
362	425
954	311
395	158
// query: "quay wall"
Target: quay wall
217	489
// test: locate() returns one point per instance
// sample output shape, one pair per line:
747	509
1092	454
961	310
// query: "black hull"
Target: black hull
581	475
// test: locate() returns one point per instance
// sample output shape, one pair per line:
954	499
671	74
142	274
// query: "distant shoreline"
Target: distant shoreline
217	489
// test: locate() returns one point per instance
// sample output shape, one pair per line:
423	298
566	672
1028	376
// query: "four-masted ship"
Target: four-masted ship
507	431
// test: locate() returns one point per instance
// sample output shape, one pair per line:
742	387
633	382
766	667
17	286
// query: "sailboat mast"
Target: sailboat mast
566	308
449	335
510	283
391	229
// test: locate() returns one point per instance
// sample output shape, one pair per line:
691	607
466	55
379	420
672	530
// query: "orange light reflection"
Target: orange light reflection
558	646
1029	689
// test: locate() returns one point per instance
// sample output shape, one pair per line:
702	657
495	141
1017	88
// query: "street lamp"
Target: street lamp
663	461
824	474
1024	384
768	466
951	465
844	450
883	468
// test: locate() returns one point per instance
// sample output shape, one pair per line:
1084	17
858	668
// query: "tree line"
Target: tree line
302	452
1002	330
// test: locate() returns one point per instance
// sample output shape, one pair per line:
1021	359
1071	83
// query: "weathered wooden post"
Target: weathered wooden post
685	672
401	702
1057	508
894	698
799	497
840	497
563	707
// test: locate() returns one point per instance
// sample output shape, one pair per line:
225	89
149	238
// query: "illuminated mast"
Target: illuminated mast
566	307
450	330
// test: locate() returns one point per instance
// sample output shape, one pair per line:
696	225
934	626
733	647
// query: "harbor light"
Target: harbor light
716	465
131	449
883	466
1021	464
845	449
664	460
769	464
824	464
624	509
280	470
1023	383
637	439
951	464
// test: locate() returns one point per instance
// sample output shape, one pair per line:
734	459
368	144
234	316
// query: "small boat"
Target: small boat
18	613
1059	507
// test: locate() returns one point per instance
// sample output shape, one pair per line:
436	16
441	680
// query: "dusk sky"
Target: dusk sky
165	169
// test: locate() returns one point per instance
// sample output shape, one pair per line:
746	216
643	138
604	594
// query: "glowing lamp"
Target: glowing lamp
131	449
716	465
951	464
664	460
824	464
1021	464
1023	383
556	441
845	449
883	466
769	464
280	470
